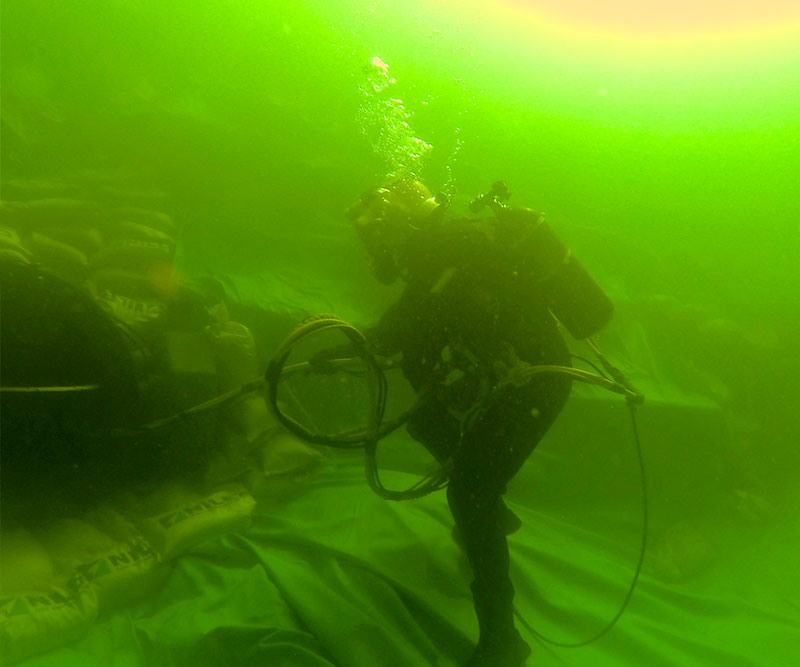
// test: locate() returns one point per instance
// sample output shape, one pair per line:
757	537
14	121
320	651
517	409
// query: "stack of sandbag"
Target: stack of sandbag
57	579
123	255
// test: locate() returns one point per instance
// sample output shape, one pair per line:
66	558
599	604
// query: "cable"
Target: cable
368	438
216	402
637	571
51	390
589	363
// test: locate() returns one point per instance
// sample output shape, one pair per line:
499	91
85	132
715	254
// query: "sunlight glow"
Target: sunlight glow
664	18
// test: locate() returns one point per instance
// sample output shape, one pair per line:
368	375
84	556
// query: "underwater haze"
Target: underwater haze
664	149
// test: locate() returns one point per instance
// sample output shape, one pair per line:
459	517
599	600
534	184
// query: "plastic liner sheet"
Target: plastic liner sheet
331	575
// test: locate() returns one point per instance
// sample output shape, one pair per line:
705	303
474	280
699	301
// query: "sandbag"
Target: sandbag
37	622
200	518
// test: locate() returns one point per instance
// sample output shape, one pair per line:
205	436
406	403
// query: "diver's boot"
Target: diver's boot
500	644
511	651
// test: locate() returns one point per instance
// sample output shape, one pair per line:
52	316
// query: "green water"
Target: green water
248	115
671	168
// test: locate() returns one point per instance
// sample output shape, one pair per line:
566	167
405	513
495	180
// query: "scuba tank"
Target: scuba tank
572	295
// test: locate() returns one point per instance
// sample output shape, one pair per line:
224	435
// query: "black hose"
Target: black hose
375	430
637	571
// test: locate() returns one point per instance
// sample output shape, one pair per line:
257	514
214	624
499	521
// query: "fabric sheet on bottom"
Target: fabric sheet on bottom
332	575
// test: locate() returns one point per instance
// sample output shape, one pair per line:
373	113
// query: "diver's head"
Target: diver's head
387	218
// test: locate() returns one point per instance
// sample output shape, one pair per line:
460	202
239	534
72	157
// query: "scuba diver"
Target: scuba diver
474	316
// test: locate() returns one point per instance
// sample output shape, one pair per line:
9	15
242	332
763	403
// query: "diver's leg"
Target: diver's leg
508	520
481	470
433	426
491	453
479	517
474	494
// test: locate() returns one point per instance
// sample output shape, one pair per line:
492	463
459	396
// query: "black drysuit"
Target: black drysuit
471	315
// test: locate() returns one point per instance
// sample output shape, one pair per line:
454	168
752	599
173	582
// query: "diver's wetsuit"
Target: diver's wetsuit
470	312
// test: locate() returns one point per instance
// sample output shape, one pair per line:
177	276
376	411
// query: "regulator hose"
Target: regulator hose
633	399
275	373
375	430
632	402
